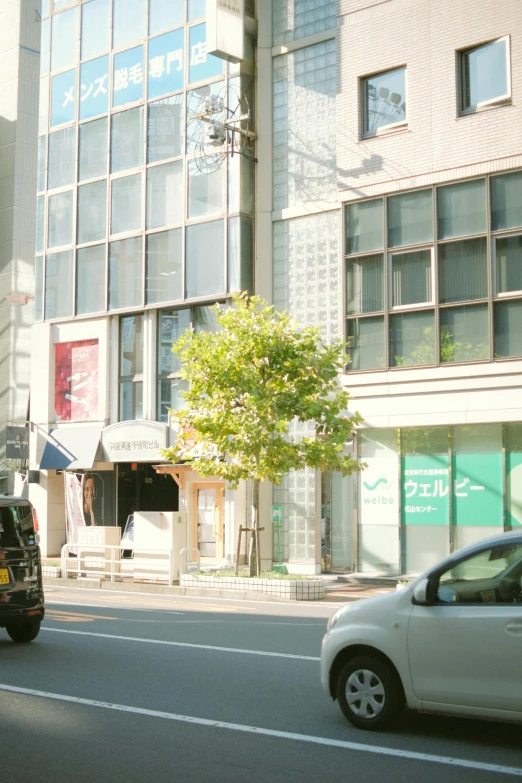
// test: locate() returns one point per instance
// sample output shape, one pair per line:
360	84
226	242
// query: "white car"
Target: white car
449	642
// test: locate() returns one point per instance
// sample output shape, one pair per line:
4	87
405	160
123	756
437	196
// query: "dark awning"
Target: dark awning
71	448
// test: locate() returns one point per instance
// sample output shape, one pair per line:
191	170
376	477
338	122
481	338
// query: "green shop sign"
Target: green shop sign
425	490
514	489
477	490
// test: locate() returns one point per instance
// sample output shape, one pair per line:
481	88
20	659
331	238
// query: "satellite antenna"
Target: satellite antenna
222	128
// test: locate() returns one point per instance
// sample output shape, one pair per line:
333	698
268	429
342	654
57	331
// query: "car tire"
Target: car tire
23	632
370	693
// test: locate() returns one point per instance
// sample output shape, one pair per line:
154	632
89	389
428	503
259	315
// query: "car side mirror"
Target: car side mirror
420	593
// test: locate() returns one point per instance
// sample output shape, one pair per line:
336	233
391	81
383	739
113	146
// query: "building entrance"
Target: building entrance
140	488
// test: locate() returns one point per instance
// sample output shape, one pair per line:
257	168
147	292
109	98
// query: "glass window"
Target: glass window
40	223
38	288
165	195
384	100
412	339
94	88
128	21
127	139
484	74
42	163
46	7
172	324
205	191
92	211
64	50
205	270
365	226
126	204
45	47
58	285
127	85
410	218
489	577
506	201
165	266
240	254
63	98
165	14
240	185
62	158
62	3
60	219
131	401
90	279
95	28
196	9
165	129
196	104
463	270
131	346
201	65
365	339
508	263
93	149
169	396
461	209
43	106
411	278
464	334
125	273
365	284
205	320
508	328
166	60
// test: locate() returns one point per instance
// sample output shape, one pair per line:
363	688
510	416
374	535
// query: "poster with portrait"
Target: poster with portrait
87	502
76	381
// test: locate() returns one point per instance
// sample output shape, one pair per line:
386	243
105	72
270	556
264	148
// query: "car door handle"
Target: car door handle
514	627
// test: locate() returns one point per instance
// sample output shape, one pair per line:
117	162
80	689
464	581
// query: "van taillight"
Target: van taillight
35	521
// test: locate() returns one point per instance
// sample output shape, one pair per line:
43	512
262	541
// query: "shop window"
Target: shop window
205	259
410	218
126	273
165	195
127	139
365	284
126	204
172	324
365	226
60	219
93	149
384	102
461	209
165	129
63	99
165	266
128	21
92	211
484	75
463	270
165	15
90	279
365	343
506	201
128	76
94	88
95	28
508	264
464	334
58	285
131	367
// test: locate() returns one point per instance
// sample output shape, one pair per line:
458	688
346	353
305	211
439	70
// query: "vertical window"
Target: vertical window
410	218
58	285
126	204
90	279
411	278
464	334
484	75
131	367
45	47
128	21
95	28
463	270
165	195
93	149
412	339
508	328
166	63
165	129
94	88
60	218
196	9
365	284
40	223
365	226
461	209
506	201
64	51
63	98
201	65
240	254
126	273
384	101
127	139
165	266
62	158
205	191
172	324
127	85
365	340
508	264
42	163
165	14
92	211
205	259
38	288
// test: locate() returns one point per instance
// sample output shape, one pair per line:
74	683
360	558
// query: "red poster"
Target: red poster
76	381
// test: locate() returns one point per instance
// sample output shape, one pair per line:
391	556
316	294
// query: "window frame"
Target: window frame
494	267
392	127
500	100
429	303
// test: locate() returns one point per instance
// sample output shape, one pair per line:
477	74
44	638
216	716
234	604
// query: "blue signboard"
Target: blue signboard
201	64
127	83
94	87
63	98
166	63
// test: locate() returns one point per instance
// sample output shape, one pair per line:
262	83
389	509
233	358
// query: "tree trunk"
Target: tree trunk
255	553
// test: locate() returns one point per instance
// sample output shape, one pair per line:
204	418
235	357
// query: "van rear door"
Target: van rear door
20	577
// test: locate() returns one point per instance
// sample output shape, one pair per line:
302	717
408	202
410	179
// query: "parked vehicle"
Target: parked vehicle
449	642
21	592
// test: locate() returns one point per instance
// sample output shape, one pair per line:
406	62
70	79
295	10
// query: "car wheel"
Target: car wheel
23	632
369	692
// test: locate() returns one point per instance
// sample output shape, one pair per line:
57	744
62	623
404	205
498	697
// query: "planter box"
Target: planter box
294	590
55	571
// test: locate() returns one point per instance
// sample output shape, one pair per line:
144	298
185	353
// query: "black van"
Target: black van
21	592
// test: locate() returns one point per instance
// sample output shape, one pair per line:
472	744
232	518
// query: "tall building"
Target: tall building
19	56
385	206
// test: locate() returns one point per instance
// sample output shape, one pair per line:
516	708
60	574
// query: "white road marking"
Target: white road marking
182	644
284	735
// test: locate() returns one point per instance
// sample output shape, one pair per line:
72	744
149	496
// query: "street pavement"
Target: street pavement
138	687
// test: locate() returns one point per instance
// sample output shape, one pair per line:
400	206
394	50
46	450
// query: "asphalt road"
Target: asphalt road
125	687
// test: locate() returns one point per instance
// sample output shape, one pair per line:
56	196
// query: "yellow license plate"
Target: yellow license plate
4	576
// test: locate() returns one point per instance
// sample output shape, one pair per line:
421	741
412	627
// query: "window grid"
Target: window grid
491	298
228	73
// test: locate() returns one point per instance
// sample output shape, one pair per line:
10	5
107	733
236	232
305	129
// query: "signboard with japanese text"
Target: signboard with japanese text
226	29
94	87
63	98
166	59
127	85
76	381
425	490
379	490
477	489
134	441
201	64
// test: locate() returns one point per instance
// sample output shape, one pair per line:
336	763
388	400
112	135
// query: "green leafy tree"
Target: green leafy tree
247	383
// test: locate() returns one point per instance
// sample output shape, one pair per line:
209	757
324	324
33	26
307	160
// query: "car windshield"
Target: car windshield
16	526
485	565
